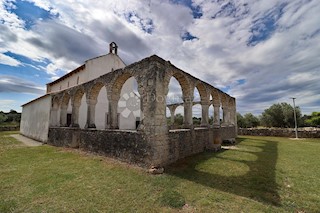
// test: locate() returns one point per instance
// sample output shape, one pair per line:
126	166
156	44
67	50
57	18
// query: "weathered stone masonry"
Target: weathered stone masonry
152	144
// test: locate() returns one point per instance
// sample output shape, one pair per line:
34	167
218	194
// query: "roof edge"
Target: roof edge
35	100
67	75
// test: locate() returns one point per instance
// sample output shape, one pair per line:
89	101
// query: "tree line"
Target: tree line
278	115
10	118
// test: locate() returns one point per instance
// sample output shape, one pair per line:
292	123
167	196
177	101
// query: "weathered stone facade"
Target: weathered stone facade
285	132
152	144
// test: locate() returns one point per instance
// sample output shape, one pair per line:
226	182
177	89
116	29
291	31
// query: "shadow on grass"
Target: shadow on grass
257	183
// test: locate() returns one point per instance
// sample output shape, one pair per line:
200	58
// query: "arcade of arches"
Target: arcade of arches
153	143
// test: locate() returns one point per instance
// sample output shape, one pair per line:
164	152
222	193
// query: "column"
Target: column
188	103
216	115
205	114
113	113
63	116
172	109
225	115
54	116
172	115
232	115
75	115
91	112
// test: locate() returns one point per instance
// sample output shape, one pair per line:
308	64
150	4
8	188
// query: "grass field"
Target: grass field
259	174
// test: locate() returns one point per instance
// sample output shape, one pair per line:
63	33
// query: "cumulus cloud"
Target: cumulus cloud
261	52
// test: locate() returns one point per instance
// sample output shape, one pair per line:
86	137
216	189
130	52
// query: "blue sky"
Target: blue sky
261	52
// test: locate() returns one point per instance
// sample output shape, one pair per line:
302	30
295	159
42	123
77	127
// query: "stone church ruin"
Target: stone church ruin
82	109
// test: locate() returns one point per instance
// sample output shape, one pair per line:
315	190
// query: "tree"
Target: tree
280	115
247	121
313	119
13	111
251	120
196	121
240	121
3	118
178	119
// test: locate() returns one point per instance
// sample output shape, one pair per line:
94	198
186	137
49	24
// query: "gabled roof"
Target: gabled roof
82	67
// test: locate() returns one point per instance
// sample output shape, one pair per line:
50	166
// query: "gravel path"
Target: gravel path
26	141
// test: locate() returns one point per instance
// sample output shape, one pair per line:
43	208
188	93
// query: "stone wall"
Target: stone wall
9	128
228	132
286	132
129	146
186	142
133	146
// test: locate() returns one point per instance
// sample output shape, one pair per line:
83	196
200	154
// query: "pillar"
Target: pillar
63	116
154	126
91	112
205	114
172	110
188	103
75	115
232	115
54	116
228	121
113	112
225	111
216	115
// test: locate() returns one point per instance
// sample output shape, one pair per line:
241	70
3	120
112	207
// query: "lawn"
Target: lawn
259	174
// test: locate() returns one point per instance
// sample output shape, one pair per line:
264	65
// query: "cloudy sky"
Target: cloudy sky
261	52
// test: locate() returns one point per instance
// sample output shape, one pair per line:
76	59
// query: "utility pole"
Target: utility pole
295	117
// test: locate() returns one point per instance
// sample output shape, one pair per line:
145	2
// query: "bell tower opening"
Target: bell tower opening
113	48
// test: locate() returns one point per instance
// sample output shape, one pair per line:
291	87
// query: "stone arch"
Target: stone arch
77	96
183	81
97	101
66	97
119	80
55	103
94	90
216	100
204	95
120	119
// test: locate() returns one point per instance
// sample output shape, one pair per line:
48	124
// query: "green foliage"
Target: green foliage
178	119
313	119
280	115
240	121
196	121
12	117
3	117
247	121
251	120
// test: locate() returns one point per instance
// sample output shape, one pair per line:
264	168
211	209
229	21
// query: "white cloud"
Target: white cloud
287	58
4	59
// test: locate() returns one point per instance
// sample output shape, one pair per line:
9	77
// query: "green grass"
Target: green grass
261	174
